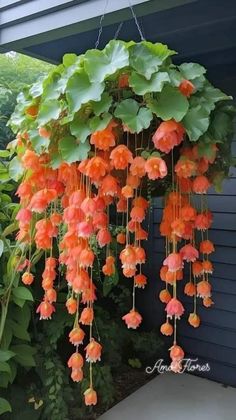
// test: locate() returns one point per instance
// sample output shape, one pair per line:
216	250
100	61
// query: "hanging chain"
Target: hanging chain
120	25
101	25
136	21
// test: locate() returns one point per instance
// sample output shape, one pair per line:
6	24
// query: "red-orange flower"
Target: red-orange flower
104	139
96	168
123	81
204	289
86	317
90	397
206	247
45	309
93	351
190	289
71	305
155	168
185	168
137	167
75	361
201	184
186	88
166	329
133	319
164	296
76	336
121	156
140	281
27	278
168	135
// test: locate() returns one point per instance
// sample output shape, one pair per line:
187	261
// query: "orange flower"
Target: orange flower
188	213
121	156
201	184
90	397
127	191
128	257
178	227
137	167
174	262
185	168
137	214
43	132
202	221
41	199
30	160
203	289
133	180
86	258
207	302
27	278
165	296
75	361
103	237
104	139
56	219
206	247
121	238
190	289
133	319
86	317
197	268
123	81
168	135
155	168
129	272
51	295
32	110
207	267
166	329
189	253
109	186
93	351
176	352
71	305
140	202
174	308
186	88
45	309
194	320
88	206
140	281
76	375
96	168
76	336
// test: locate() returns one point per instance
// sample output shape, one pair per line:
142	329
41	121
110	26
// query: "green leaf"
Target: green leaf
141	85
205	150
175	77
4	367
16	169
49	110
191	71
80	129
4	406
4	153
196	122
146	57
100	64
103	105
69	59
1	247
170	104
19	331
71	151
98	124
37	88
39	143
23	293
133	116
24	354
5	355
56	160
80	90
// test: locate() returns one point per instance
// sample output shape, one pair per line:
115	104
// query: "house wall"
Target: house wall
215	341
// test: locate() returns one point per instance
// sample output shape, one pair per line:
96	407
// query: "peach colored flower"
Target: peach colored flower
121	156
189	253
133	319
194	320
155	168
93	351
174	262
204	289
168	135
174	308
90	397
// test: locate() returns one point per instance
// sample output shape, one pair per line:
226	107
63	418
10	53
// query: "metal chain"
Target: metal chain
100	25
120	25
136	21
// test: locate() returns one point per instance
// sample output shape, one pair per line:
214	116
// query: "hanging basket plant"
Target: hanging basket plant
105	130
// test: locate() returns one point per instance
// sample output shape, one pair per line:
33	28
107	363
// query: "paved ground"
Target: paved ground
177	397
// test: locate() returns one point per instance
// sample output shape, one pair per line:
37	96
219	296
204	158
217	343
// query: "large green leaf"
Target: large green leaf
80	90
191	71
4	406
141	85
100	64
24	354
71	151
23	293
99	123
39	143
16	169
80	129
103	105
4	367
134	117
146	57
5	355
170	104
196	122
49	110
